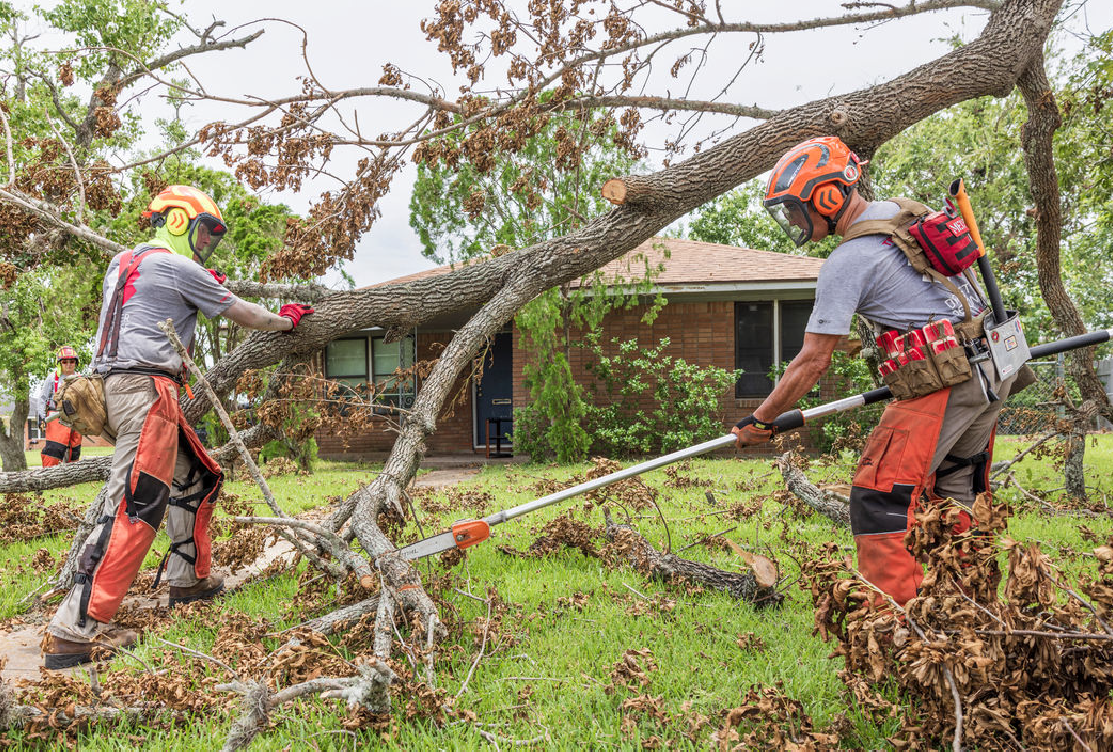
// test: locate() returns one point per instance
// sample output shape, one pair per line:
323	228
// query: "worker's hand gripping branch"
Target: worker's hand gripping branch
294	312
751	431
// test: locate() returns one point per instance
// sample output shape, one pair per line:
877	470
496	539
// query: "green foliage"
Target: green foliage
125	31
461	212
737	218
552	423
683	400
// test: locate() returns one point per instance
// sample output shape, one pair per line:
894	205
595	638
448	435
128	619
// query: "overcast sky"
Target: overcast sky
350	41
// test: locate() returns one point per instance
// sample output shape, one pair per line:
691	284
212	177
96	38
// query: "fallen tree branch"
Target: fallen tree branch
831	505
756	587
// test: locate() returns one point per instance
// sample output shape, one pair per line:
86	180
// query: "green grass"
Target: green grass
563	654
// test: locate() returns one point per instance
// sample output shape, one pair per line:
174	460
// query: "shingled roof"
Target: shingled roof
692	262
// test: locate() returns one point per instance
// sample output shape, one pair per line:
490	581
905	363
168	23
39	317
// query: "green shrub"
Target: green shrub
685	407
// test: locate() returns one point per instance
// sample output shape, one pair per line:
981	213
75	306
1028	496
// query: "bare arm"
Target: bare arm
800	376
255	316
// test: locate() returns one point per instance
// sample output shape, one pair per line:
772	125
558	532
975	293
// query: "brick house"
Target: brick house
727	306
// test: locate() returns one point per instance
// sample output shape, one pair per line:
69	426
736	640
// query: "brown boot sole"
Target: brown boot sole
202	596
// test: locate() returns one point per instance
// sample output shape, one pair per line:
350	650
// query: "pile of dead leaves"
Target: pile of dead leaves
1032	668
24	516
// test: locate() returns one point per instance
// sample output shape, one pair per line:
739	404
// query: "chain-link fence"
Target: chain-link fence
1036	408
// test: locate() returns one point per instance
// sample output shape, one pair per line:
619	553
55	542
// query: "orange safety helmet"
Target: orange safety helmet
65	352
188	220
820	172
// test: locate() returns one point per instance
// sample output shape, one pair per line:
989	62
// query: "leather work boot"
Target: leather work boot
204	590
62	653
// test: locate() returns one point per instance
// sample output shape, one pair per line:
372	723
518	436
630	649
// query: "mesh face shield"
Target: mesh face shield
793	218
205	232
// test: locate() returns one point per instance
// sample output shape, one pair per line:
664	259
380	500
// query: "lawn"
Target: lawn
567	619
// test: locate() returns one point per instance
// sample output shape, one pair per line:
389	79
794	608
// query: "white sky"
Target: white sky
350	41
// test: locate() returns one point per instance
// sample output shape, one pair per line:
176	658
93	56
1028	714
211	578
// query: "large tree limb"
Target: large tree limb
828	503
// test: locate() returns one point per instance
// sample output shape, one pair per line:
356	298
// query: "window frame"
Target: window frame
400	397
777	339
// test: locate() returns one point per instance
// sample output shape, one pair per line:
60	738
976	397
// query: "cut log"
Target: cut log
638	191
756	587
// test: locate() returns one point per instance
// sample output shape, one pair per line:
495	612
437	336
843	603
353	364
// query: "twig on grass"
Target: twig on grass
199	654
635	592
495	739
479	656
707	538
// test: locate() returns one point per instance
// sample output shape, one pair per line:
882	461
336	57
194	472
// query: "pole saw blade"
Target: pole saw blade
463	534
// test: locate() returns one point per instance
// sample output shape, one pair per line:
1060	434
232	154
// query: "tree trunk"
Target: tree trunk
1036	137
11	441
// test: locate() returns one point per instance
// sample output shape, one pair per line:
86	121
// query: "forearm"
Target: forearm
254	316
797	380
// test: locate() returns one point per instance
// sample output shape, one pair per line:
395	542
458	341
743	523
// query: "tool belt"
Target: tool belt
923	361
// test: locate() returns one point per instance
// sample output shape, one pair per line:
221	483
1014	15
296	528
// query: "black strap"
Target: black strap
173	550
961	462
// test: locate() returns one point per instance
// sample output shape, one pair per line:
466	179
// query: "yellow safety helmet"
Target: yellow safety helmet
188	220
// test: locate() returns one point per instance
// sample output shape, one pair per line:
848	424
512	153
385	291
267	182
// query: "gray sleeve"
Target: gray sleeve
45	393
198	288
838	293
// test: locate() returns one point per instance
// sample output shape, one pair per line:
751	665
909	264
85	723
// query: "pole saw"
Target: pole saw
467	533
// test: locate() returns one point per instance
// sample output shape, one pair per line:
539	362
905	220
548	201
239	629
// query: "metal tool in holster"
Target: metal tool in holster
1007	346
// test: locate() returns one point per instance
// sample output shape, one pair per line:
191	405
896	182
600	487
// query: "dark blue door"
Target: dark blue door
494	394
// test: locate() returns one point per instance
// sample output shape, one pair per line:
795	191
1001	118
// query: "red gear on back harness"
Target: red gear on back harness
891	479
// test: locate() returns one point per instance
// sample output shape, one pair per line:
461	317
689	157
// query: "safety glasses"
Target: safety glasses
793	219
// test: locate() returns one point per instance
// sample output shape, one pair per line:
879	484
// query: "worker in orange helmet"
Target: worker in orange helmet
61	444
937	443
160	468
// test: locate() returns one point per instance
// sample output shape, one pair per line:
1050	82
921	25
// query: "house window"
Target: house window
346	361
386	359
766	333
34	433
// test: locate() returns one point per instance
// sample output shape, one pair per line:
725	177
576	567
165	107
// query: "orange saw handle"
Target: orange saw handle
962	198
469	532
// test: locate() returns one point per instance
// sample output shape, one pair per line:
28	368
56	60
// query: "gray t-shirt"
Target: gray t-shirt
166	286
872	277
46	394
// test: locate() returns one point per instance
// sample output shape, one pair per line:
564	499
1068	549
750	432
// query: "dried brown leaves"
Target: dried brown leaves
1032	668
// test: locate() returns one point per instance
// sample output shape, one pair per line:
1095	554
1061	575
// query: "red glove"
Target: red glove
294	312
751	431
220	278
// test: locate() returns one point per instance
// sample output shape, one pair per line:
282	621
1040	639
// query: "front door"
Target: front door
494	393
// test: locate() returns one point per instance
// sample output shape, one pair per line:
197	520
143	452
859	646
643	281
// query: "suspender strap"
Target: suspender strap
128	271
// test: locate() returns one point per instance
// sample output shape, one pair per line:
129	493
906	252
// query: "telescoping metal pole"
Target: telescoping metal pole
784	422
469	532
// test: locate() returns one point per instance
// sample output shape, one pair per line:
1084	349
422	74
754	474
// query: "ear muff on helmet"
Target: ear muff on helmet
828	200
177	221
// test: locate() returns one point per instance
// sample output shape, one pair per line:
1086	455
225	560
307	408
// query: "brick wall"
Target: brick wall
701	333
